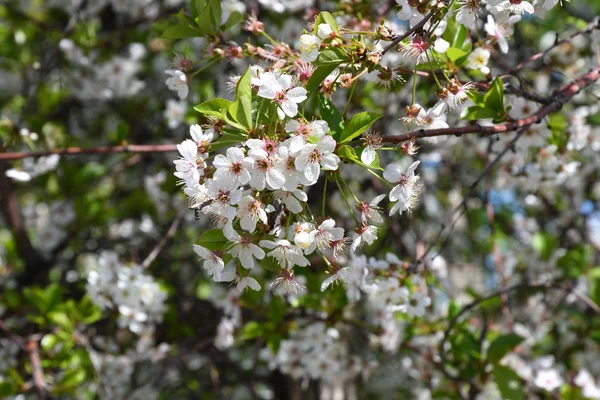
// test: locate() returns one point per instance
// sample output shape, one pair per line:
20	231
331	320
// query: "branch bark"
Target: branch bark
559	98
11	212
133	148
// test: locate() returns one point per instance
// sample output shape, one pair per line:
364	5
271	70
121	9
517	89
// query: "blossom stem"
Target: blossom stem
350	190
324	200
346	200
269	38
211	62
414	88
433	72
352	88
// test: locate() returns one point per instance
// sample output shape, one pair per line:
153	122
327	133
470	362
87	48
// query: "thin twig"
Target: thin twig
462	207
412	30
168	235
541	55
74	151
38	373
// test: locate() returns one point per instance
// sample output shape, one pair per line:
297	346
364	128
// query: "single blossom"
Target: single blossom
177	82
406	192
279	88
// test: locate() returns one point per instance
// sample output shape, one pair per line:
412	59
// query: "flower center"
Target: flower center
280	97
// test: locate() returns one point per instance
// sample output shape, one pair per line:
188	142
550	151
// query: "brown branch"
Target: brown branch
559	98
38	373
11	212
163	241
75	151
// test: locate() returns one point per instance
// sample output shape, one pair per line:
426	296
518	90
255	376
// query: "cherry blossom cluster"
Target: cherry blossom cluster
95	79
251	187
314	351
111	285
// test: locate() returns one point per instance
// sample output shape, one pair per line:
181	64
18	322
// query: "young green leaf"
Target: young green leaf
319	76
357	125
334	56
331	115
326	18
509	383
241	109
214	108
212	239
502	345
494	98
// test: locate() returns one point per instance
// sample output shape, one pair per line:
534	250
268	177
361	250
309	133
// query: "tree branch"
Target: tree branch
11	212
559	98
75	151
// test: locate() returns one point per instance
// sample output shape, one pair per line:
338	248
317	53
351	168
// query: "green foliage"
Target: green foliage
329	57
509	383
502	345
326	18
331	115
357	125
212	239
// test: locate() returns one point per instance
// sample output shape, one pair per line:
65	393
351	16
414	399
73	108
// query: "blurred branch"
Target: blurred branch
133	148
38	373
11	212
163	241
540	56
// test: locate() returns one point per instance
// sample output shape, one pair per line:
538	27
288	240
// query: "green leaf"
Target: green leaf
7	389
334	56
215	108
252	330
494	98
459	36
277	310
204	21
357	125
215	12
228	140
186	28
181	31
52	295
234	19
594	280
196	6
49	341
454	54
326	18
72	378
543	244
477	112
347	154
270	264
241	109
502	345
331	115
212	239
61	319
319	76
509	383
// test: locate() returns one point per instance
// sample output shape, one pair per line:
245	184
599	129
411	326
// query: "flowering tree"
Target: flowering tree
299	199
